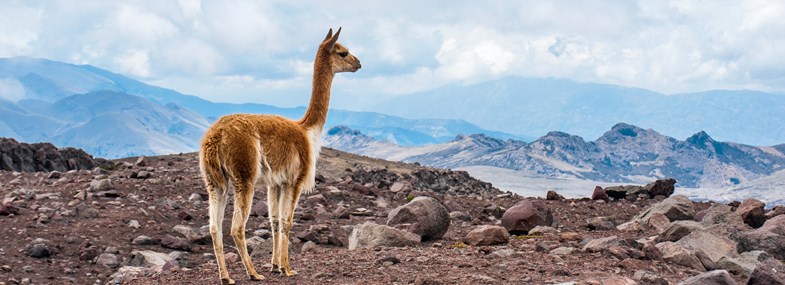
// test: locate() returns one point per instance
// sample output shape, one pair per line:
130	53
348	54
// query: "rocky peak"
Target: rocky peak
480	139
16	156
701	139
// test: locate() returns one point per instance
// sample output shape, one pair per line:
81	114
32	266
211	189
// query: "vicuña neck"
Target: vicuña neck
316	115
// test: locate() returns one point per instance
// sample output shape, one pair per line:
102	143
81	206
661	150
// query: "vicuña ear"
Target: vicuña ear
329	35
333	40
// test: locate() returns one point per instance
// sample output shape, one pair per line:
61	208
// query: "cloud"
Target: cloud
11	89
667	46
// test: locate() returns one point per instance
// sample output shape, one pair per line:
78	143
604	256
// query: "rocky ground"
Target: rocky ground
142	221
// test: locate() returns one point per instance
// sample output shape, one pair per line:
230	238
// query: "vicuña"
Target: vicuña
242	149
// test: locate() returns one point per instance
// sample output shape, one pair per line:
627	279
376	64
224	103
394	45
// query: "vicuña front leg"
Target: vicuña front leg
217	200
242	208
273	212
287	204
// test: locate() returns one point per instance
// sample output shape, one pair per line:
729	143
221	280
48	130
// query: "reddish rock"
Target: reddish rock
185	216
487	235
8	209
768	272
176	243
526	215
776	211
599	194
425	215
752	212
259	209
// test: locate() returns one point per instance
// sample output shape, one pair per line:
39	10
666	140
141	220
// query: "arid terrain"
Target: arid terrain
141	221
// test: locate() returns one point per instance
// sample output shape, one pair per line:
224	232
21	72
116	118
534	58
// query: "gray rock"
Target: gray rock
676	208
460	216
526	215
601	244
308	246
108	260
541	230
101	185
176	243
679	229
677	254
487	235
745	263
370	235
134	224
662	187
767	238
145	240
768	272
148	258
775	225
126	274
714	246
563	250
600	224
423	216
716	277
722	214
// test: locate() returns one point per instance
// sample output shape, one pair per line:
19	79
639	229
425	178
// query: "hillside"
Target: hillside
624	154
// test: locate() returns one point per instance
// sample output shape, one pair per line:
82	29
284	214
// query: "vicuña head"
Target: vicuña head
242	149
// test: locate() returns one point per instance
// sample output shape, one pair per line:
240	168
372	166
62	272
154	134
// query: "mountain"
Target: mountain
111	115
624	154
536	106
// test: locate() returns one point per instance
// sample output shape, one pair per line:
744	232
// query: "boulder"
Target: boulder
714	246
716	277
664	187
768	238
525	215
600	224
601	244
722	214
108	260
370	235
768	272
148	258
176	243
776	211
679	229
487	235
775	225
752	212
553	196
126	274
423	216
599	194
677	254
745	263
40	248
676	208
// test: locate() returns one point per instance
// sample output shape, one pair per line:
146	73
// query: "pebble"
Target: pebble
134	224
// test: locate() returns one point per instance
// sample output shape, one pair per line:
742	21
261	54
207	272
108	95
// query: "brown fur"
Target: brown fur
242	149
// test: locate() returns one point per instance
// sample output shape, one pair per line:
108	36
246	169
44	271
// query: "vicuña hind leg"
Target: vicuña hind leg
217	200
273	212
287	204
243	199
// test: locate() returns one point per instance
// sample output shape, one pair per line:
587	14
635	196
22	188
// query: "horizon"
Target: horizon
261	54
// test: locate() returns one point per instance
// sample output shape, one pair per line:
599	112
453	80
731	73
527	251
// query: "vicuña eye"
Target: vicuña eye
343	54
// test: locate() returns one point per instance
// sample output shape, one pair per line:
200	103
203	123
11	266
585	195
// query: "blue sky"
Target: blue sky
262	51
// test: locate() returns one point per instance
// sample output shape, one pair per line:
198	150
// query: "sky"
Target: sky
262	51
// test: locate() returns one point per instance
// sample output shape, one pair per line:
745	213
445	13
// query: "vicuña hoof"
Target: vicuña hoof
290	273
227	281
275	269
256	277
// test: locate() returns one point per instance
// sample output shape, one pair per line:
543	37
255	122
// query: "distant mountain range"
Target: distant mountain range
625	154
533	106
110	115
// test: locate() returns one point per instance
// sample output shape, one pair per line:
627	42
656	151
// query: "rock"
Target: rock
145	240
648	277
453	206
716	277
764	240
541	230
719	214
553	196
259	209
89	253
148	258
460	216
86	212
664	187
676	208
143	175
141	161
54	175
195	197
600	224
42	157
126	274
563	250
774	225
185	216
503	253
398	187
309	246
679	229
599	194
38	250
752	212
370	235
425	217
197	236
658	222
601	244
100	185
570	236
745	263
487	235
8	209
108	260
526	215
768	272
494	210
714	246
176	243
134	224
776	211
677	254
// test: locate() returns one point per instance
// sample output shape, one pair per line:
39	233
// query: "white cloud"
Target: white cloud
11	89
667	46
